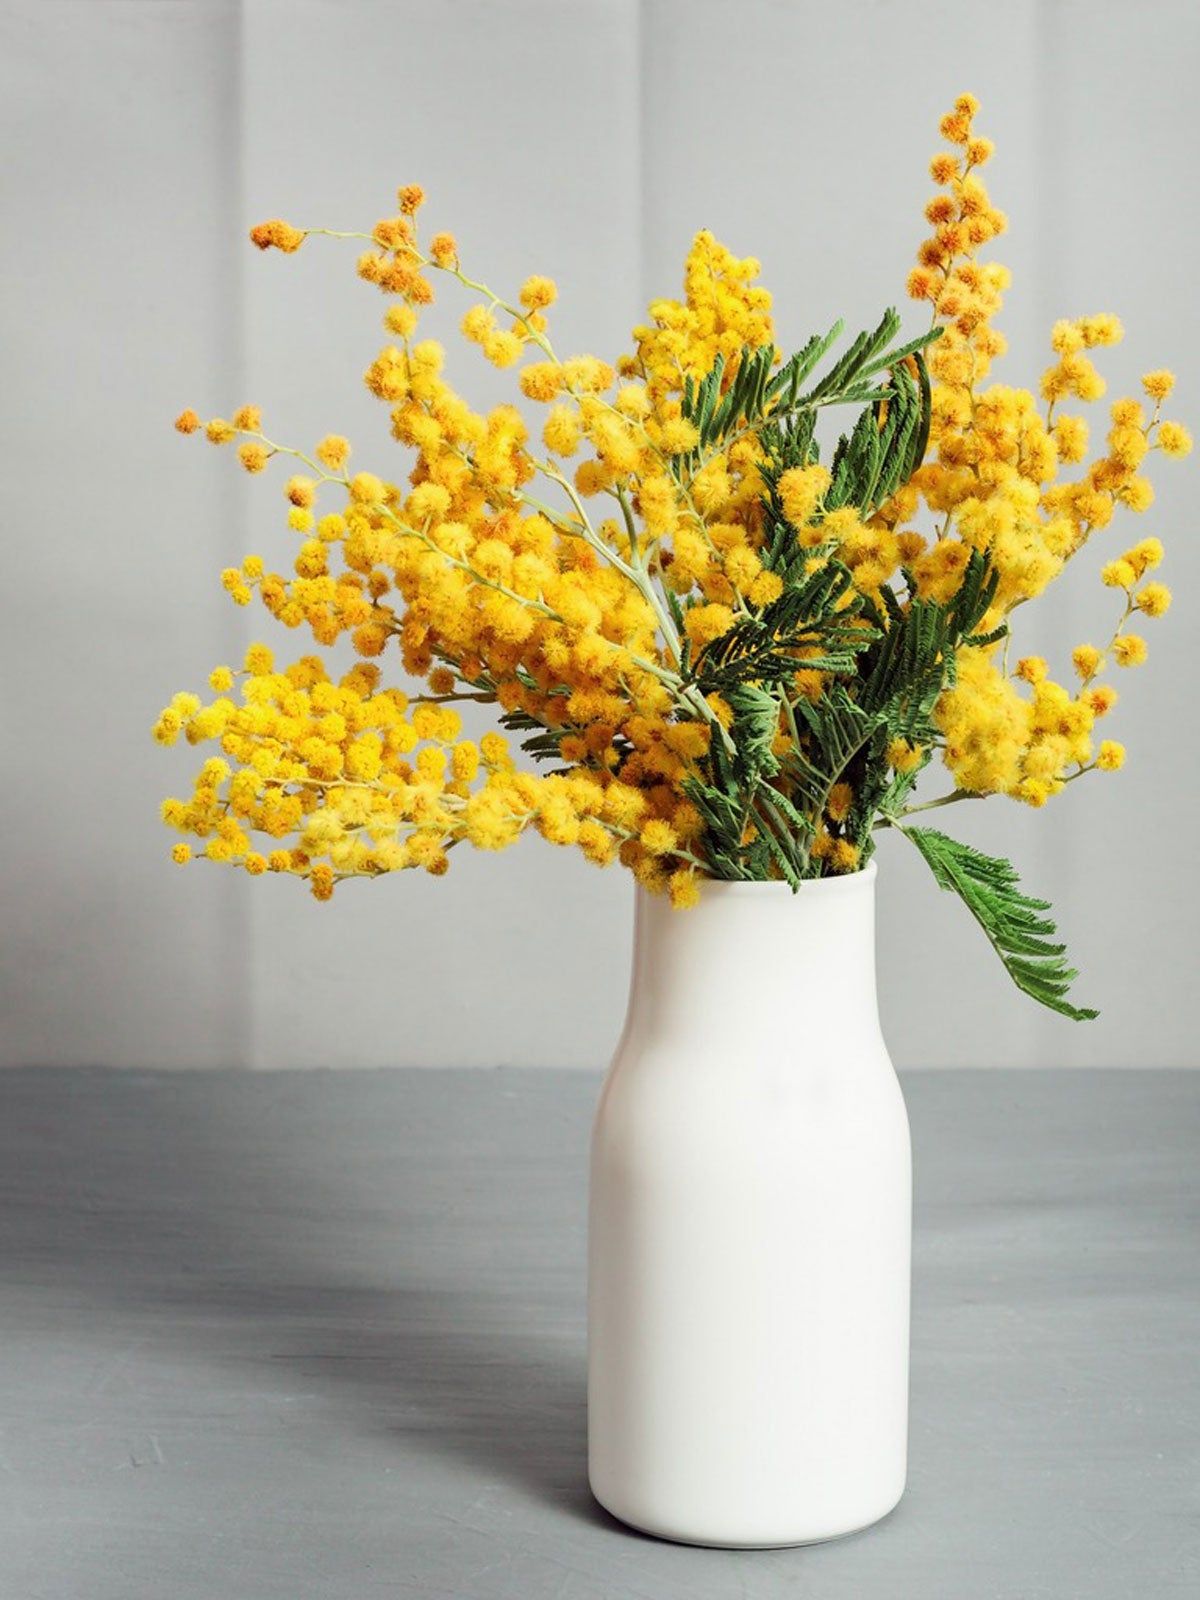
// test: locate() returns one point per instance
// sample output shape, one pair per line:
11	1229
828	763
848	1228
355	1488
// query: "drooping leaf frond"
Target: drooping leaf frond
1015	923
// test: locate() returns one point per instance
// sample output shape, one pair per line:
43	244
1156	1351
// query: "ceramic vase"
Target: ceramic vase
750	1226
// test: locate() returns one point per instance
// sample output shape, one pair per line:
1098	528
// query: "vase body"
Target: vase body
750	1226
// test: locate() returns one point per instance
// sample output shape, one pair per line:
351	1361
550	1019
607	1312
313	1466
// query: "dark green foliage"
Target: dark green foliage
837	729
815	615
888	666
885	662
912	660
889	662
754	399
716	415
888	676
1015	923
738	792
885	448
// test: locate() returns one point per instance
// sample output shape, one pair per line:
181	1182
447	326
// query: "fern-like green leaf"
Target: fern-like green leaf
812	624
784	388
1015	923
721	406
836	729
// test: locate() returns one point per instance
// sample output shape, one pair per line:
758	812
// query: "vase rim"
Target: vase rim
725	888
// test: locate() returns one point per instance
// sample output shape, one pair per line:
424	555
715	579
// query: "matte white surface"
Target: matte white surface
750	1226
588	140
316	1336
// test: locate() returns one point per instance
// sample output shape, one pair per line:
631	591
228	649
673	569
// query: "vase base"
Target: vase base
670	1536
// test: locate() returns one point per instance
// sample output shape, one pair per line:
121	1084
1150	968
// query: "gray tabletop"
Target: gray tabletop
310	1335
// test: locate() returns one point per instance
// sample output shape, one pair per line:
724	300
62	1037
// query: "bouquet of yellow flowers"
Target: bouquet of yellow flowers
725	656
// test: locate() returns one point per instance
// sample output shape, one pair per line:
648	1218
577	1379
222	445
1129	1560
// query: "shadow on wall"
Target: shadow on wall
217	1218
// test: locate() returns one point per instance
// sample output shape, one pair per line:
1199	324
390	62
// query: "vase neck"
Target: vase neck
798	965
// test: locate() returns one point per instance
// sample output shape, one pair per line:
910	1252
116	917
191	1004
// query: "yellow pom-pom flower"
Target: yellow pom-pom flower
1154	599
1174	439
1129	650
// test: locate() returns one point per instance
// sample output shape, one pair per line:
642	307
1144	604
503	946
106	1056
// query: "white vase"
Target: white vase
750	1227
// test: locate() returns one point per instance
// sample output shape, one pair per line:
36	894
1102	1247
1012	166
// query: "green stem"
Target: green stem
891	820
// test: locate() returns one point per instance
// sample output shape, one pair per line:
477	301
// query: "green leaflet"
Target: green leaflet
740	792
814	615
837	728
904	672
1020	933
902	665
884	448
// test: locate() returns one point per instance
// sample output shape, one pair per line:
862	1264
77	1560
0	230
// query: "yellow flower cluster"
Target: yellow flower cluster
369	782
723	313
572	571
994	482
492	594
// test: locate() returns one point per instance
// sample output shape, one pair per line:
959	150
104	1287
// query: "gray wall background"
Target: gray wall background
588	140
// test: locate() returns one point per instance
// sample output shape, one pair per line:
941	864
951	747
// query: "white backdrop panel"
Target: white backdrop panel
588	140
